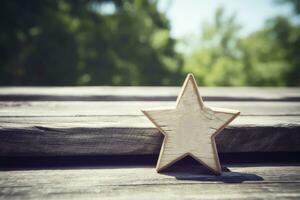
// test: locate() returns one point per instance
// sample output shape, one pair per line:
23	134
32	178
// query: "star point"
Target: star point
190	128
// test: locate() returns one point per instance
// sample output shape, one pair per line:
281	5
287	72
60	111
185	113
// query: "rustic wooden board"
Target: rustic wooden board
68	121
118	127
145	93
132	122
94	108
142	182
129	135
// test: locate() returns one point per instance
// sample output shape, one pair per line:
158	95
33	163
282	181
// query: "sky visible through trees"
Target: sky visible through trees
111	42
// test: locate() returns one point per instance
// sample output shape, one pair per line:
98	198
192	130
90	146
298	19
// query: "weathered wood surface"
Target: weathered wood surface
142	182
41	128
69	121
145	93
94	108
128	135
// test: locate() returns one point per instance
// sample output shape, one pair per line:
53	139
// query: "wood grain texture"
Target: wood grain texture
142	182
129	135
145	93
94	108
75	127
68	121
190	128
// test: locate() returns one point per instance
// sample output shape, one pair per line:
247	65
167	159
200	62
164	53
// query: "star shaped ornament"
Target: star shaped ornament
190	128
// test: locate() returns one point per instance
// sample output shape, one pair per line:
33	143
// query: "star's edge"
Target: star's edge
235	113
190	77
216	133
160	169
216	172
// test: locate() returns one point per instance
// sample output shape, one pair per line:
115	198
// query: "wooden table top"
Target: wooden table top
58	122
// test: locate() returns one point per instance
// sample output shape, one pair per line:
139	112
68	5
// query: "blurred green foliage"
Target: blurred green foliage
78	42
70	42
268	57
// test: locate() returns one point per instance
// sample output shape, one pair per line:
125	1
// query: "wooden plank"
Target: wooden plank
142	182
286	191
145	93
129	135
94	108
132	122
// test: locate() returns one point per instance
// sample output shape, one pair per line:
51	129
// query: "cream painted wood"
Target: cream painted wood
190	128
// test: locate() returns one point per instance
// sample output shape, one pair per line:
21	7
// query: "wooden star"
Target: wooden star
190	128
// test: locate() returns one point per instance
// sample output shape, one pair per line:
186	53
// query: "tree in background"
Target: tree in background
82	42
73	42
217	60
268	57
288	36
